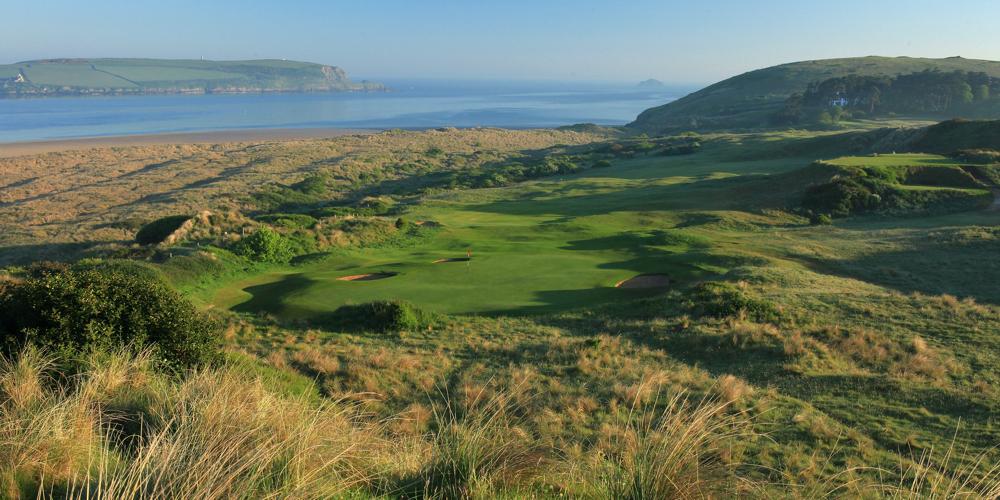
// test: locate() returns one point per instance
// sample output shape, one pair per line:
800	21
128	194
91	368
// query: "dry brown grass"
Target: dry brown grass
875	351
98	196
121	430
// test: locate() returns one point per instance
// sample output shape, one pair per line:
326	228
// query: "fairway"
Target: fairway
538	247
519	264
567	242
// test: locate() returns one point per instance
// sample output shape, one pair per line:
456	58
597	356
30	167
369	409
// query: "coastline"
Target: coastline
27	148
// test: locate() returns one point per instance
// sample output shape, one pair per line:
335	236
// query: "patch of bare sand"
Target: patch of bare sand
367	277
645	281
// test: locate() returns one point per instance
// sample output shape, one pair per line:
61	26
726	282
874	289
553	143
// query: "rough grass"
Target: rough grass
121	430
862	351
60	205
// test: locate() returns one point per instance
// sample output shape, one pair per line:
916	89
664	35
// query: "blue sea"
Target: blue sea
409	104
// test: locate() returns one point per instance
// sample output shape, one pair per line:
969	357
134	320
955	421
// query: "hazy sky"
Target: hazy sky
628	40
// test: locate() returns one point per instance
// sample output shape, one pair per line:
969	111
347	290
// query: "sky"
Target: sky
684	42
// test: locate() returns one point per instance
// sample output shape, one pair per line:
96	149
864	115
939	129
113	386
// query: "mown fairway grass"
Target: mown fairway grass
895	160
563	243
537	247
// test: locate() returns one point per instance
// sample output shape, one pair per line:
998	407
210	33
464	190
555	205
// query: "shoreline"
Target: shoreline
27	148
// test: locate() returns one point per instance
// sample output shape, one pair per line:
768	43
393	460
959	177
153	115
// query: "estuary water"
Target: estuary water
410	104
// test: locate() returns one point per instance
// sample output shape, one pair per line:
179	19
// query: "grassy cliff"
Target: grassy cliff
161	76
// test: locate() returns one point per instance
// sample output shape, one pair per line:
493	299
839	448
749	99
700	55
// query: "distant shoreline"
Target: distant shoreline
25	148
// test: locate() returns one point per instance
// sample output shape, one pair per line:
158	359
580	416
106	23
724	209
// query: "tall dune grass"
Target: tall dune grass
478	454
123	431
680	451
120	429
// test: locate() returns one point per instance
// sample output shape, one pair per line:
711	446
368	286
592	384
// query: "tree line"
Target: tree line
928	92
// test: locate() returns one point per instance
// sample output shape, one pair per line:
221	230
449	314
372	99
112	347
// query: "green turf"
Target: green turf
162	74
894	160
563	243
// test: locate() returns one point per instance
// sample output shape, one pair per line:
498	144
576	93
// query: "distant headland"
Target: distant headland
72	77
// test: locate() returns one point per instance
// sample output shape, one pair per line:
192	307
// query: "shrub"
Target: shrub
313	185
265	245
602	164
843	196
820	220
724	300
158	230
941	176
74	311
381	316
376	205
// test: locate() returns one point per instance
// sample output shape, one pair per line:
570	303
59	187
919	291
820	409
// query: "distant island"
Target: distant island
75	77
652	83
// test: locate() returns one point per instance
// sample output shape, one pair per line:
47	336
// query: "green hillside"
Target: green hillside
159	76
751	100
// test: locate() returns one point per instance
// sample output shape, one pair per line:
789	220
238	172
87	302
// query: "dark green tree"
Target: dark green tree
69	312
265	245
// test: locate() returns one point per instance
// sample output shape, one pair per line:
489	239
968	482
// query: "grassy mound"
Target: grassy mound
381	316
723	300
896	183
955	135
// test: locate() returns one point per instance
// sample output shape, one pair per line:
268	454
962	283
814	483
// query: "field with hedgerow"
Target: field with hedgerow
581	313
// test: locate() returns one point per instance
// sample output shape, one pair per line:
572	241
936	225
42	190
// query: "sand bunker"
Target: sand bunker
454	259
367	277
645	281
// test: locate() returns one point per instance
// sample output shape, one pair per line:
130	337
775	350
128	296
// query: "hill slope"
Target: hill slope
161	76
748	100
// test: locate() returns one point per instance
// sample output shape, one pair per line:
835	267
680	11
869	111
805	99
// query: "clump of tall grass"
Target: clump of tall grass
476	453
122	430
933	476
683	450
930	475
45	431
218	435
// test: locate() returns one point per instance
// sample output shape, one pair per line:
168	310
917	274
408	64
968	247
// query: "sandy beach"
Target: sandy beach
13	149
